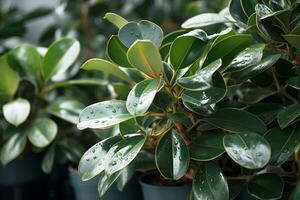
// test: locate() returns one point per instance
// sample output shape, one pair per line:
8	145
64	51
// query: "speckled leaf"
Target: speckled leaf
248	149
172	156
103	114
249	56
209	183
42	132
266	186
142	95
287	115
123	152
207	146
249	72
283	143
93	160
208	96
144	30
145	56
234	120
203	79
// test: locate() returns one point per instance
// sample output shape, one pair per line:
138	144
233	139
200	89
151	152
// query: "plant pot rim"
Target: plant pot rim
144	184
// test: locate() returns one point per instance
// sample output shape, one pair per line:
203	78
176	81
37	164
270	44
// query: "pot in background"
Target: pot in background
22	170
157	192
88	190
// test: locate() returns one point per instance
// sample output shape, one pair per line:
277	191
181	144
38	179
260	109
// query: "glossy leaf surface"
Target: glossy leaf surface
17	111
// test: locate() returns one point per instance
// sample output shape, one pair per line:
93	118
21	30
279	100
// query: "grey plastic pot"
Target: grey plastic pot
87	190
154	192
22	170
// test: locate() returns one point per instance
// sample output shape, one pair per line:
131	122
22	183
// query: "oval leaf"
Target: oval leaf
144	30
288	115
207	146
248	149
172	156
283	143
115	19
236	121
60	56
13	148
204	19
266	186
210	183
144	56
93	160
117	52
106	67
42	132
142	95
103	114
17	111
123	152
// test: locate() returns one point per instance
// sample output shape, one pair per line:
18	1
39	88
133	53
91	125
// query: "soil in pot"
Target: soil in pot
87	190
154	187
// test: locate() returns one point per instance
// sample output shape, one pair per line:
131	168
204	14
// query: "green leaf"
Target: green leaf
144	56
207	146
106	67
266	186
293	39
13	147
209	96
93	160
172	156
235	188
106	181
142	95
287	115
123	152
203	20
236	121
237	12
267	112
42	132
252	71
66	109
248	6
294	82
283	143
248	149
48	160
202	80
8	83
125	176
145	161
121	90
103	114
296	193
17	111
117	52
210	183
60	56
75	82
187	48
71	148
227	49
115	19
26	58
248	57
144	30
